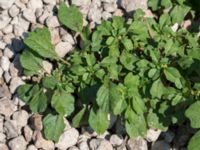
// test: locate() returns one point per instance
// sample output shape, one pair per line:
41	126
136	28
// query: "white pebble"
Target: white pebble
5	4
34	4
15	83
4	20
63	48
8	29
52	22
5	63
13	11
152	135
29	15
17	143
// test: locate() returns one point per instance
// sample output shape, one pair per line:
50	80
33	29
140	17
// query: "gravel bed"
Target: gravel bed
21	130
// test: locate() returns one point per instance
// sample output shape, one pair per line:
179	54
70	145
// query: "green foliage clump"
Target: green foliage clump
139	70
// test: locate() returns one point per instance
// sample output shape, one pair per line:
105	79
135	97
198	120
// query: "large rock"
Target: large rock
100	144
21	118
130	5
7	108
152	135
158	145
67	139
17	143
40	142
137	144
63	48
10	128
5	4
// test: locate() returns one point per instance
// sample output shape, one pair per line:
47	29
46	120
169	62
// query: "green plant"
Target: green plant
139	70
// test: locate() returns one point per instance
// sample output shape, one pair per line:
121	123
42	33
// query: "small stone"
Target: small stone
15	83
5	4
94	15
7	107
175	27
2	45
130	5
8	38
28	133
1	73
2	138
81	2
47	66
23	23
168	136
53	2
31	147
116	140
4	20
21	117
19	4
7	76
8	29
137	144
52	22
8	52
68	38
29	15
152	135
83	145
63	48
4	92
1	123
110	7
37	122
10	128
55	37
5	63
34	4
71	136
3	146
73	148
17	44
40	142
100	144
118	12
106	15
186	24
13	11
38	12
13	70
17	143
158	145
44	16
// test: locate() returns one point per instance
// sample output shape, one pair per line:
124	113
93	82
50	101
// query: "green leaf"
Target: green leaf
154	122
178	13
135	124
103	97
156	4
24	92
38	102
78	117
157	89
117	96
53	127
192	113
49	82
127	60
63	102
138	105
40	42
128	44
99	125
194	142
118	22
173	75
71	17
31	62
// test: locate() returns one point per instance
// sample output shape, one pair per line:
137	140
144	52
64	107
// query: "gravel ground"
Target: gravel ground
21	130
